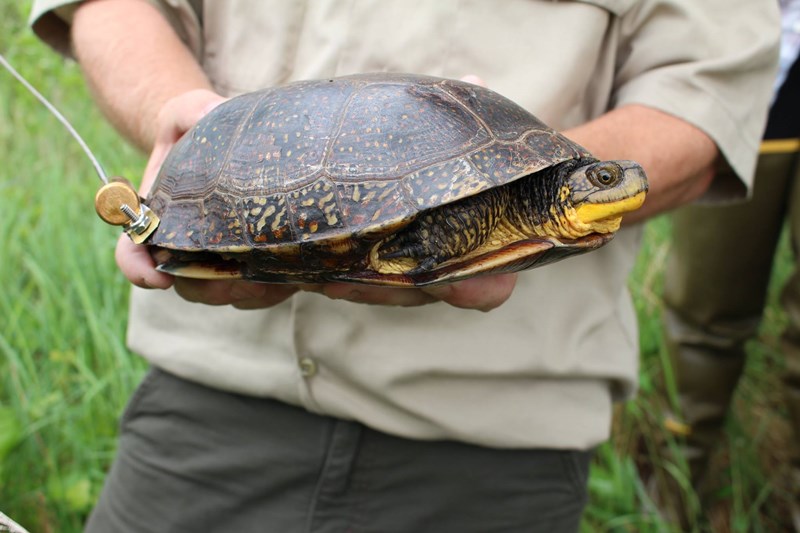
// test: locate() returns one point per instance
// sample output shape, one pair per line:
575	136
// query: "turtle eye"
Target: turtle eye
605	175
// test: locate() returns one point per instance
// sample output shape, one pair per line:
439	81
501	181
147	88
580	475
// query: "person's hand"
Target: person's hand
175	118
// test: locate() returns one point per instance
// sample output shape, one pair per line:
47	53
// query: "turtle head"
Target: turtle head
598	194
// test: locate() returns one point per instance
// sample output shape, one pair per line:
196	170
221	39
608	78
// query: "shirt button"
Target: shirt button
308	367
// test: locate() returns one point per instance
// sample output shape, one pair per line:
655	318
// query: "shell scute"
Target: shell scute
196	162
507	120
549	148
266	219
445	182
314	208
390	130
222	226
370	206
283	139
182	225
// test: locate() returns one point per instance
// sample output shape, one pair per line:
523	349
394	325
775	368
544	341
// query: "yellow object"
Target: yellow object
780	146
111	196
677	427
589	213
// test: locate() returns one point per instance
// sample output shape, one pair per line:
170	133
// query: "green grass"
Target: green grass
64	369
65	373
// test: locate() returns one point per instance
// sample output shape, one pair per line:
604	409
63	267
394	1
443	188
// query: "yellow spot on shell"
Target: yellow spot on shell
325	199
263	220
277	222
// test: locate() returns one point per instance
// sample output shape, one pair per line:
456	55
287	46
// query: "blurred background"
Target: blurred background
65	374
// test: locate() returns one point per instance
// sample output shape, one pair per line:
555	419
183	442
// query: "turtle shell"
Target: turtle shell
314	172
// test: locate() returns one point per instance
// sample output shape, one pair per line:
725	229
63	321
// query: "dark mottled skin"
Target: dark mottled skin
299	181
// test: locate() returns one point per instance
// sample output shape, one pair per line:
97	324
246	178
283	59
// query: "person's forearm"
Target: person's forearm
679	158
134	62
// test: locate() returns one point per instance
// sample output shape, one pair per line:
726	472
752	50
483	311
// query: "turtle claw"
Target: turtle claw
426	265
409	245
397	253
403	245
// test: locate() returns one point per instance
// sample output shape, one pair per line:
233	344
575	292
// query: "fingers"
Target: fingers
239	294
367	294
176	117
179	114
482	293
138	266
473	79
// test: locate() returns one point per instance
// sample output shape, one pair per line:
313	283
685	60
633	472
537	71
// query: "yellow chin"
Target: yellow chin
593	213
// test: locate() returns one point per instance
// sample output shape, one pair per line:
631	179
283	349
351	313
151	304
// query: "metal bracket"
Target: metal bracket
119	204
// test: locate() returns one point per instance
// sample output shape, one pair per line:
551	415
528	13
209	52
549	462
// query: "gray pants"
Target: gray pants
195	459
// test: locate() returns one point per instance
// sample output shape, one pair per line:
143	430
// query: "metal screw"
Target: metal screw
129	212
138	221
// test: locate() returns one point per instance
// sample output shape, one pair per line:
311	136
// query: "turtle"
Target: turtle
385	179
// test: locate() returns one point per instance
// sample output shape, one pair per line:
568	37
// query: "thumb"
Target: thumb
176	117
182	112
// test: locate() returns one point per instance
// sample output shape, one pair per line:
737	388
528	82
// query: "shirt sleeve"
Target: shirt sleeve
711	63
51	20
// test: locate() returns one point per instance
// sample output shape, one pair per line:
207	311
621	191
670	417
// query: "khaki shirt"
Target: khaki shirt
544	368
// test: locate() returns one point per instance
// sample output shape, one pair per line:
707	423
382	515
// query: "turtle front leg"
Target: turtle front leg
446	232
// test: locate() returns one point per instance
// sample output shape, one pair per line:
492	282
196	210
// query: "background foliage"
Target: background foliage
65	373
